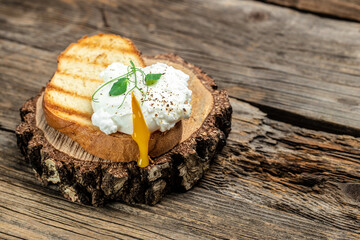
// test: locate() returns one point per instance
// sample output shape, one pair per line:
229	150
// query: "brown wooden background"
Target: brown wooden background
291	167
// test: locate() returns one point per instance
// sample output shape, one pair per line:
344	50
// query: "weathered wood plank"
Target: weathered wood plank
272	56
272	181
346	9
23	71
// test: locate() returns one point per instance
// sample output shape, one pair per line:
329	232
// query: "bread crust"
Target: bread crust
130	43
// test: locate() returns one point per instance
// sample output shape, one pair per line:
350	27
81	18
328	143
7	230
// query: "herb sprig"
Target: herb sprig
121	83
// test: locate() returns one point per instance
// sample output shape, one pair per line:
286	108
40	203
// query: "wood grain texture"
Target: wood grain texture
345	9
271	56
272	181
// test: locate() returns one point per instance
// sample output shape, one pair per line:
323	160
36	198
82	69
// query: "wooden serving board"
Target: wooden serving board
88	179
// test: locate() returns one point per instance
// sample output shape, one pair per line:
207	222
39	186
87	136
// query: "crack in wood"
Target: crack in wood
303	121
103	17
332	9
7	130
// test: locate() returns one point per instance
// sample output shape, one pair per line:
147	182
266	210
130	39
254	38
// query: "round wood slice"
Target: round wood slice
87	179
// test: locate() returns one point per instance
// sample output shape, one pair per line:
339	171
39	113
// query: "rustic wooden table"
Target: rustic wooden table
291	167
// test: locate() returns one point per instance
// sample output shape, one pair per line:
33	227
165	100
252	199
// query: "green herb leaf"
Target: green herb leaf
119	87
132	64
150	78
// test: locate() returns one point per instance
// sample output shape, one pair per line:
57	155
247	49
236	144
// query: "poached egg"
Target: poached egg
165	103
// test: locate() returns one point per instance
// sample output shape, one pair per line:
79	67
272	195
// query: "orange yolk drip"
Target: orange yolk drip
141	133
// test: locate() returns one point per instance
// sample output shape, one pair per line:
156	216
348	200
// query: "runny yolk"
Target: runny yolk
141	133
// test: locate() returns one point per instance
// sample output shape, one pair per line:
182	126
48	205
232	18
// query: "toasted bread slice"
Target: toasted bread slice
67	99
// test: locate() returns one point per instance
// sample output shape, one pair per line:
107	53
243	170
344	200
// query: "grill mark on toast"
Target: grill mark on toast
78	76
68	110
51	86
83	60
101	62
107	47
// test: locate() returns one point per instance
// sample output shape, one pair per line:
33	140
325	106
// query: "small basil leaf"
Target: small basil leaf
150	78
119	87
